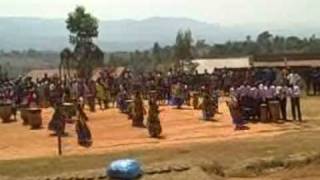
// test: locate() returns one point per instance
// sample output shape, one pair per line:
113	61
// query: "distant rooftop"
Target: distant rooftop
39	73
219	63
282	60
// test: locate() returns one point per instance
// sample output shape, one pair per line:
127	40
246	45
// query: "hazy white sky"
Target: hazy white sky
227	12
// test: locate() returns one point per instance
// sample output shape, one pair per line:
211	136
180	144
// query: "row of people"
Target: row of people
173	87
251	98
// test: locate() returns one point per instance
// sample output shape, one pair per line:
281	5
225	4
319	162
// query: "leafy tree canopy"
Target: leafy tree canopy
82	25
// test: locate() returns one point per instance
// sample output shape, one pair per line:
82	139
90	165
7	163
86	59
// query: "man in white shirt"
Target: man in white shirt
282	93
294	93
294	78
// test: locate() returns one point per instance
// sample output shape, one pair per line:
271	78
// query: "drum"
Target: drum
153	94
195	100
274	108
263	112
128	107
69	109
91	103
34	118
129	101
44	103
154	129
24	116
5	112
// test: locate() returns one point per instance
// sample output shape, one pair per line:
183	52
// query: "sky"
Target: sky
224	12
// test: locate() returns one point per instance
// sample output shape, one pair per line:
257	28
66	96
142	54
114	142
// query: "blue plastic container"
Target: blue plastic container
125	169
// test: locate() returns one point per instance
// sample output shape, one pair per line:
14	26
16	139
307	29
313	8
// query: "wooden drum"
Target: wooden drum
129	106
91	103
195	100
263	112
5	112
44	103
24	116
34	117
69	109
274	108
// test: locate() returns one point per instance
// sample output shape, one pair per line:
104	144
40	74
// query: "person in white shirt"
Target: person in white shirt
294	79
282	94
294	93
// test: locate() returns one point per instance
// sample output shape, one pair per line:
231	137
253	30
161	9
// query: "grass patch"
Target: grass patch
213	168
229	154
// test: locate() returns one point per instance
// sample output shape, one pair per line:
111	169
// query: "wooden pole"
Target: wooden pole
286	62
59	135
59	144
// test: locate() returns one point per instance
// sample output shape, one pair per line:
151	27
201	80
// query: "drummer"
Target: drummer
267	95
215	97
7	94
32	98
178	95
10	98
294	92
282	95
255	101
208	107
195	100
2	99
121	100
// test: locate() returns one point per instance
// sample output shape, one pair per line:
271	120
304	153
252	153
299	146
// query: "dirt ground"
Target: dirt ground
112	131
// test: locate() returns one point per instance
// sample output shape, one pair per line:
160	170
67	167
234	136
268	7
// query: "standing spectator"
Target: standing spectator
101	94
294	78
90	93
295	93
282	94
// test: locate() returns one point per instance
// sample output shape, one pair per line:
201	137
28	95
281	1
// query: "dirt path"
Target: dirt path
112	131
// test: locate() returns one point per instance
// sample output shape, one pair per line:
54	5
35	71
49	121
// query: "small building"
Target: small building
286	60
220	63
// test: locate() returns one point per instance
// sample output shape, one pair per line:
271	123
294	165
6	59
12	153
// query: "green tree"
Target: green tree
249	46
183	48
279	44
179	47
201	44
294	44
188	40
313	45
83	28
156	53
265	41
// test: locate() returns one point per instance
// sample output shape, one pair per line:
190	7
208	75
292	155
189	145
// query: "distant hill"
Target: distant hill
124	35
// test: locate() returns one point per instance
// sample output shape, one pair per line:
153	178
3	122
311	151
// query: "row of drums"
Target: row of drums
29	116
32	116
270	112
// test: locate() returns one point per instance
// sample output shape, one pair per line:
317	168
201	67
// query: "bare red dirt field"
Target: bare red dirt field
112	131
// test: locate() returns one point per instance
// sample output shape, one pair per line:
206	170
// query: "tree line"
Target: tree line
186	48
162	57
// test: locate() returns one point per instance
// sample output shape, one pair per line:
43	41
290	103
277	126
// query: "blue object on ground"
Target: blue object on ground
124	169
